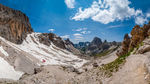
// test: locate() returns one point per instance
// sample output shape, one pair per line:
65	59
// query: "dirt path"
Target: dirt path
133	72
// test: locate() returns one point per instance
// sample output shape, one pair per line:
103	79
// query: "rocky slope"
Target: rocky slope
48	38
23	51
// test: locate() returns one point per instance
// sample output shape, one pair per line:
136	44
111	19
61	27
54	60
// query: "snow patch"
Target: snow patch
3	51
51	55
7	71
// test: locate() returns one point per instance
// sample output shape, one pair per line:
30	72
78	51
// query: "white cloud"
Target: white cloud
106	11
140	20
51	30
148	15
78	36
80	29
70	3
65	36
85	32
130	35
115	26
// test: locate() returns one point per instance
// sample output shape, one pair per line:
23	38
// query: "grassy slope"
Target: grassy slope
114	66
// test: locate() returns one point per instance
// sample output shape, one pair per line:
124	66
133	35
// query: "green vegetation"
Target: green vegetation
138	46
106	52
114	66
103	53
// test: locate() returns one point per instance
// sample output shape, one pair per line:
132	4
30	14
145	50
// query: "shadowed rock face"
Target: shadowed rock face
14	25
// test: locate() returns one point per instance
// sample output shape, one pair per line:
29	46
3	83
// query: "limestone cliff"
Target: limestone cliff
14	25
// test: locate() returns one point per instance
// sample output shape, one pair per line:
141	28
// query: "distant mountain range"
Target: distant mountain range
95	46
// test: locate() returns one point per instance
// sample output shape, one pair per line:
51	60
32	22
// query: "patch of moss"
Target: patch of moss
114	66
142	43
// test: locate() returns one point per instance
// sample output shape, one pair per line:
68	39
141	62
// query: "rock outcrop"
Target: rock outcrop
138	34
94	45
70	47
48	38
125	46
14	25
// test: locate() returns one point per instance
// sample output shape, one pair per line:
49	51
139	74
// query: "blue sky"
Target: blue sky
82	20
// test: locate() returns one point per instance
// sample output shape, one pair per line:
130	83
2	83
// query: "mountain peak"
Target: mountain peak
96	41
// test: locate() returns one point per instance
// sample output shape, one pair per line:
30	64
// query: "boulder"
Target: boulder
25	65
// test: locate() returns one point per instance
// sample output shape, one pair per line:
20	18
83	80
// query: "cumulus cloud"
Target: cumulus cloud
65	36
140	20
70	3
51	30
106	11
148	15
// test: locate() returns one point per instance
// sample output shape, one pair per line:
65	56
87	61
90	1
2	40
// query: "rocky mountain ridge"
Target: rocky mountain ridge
15	26
95	46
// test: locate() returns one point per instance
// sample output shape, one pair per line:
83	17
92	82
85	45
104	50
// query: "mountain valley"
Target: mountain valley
28	57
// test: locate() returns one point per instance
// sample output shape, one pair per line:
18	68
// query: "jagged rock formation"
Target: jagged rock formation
14	25
95	46
48	38
70	47
125	46
138	35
